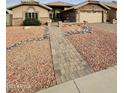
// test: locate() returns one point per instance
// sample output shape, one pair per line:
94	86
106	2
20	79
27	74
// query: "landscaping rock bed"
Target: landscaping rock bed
19	34
30	68
78	28
29	62
71	27
43	36
97	48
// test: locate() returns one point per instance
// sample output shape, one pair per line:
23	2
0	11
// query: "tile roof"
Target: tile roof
29	2
87	2
110	4
59	3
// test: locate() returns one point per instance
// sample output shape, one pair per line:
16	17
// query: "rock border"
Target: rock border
22	42
82	30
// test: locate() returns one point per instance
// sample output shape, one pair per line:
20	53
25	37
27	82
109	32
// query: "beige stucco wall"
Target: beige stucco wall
19	14
17	21
8	19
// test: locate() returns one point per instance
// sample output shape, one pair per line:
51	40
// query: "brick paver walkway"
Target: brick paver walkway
68	63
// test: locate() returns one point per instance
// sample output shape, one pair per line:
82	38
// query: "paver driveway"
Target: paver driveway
68	63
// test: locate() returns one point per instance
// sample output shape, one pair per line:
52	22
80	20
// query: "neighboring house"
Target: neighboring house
8	18
57	7
29	9
91	11
112	13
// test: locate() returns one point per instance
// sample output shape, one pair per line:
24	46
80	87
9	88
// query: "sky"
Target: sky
13	2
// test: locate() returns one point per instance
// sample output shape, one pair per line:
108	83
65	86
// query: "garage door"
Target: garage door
91	17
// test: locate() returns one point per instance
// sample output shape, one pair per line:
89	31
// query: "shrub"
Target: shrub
31	22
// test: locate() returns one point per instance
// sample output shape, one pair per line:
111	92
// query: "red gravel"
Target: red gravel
30	68
97	48
16	34
69	27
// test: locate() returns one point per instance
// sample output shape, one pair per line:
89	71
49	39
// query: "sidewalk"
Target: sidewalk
100	82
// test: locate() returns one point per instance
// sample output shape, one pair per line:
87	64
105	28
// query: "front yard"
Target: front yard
97	48
29	65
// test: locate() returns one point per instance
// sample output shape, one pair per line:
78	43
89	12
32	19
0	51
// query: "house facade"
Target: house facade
91	11
29	9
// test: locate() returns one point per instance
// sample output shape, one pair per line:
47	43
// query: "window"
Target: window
26	15
31	15
36	15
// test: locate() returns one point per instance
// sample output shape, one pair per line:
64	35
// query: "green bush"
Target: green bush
31	22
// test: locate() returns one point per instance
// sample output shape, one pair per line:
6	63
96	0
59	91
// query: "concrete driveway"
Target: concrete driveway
105	26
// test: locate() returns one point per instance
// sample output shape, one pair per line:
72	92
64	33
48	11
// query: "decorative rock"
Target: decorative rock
19	43
98	48
30	71
87	29
12	45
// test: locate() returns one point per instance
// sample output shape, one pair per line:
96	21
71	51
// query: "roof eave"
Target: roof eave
8	11
85	3
112	7
61	5
93	3
11	7
78	6
105	6
29	4
46	6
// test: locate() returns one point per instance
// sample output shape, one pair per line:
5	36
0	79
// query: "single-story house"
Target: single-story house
29	9
112	13
8	18
57	7
90	11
